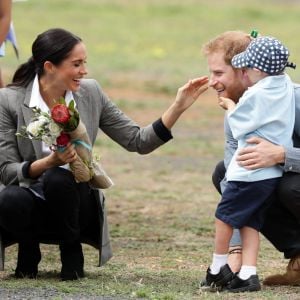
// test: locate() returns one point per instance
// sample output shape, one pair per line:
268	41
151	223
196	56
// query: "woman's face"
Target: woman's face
67	75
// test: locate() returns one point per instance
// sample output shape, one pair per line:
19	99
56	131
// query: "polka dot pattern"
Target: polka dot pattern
264	53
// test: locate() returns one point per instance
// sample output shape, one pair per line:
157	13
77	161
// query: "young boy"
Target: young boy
266	110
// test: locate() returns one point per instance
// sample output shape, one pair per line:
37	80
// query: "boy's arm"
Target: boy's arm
226	103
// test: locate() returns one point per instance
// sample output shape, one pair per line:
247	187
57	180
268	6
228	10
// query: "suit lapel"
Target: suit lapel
85	110
28	114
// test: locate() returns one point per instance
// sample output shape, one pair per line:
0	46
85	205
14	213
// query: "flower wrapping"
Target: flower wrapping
85	168
60	127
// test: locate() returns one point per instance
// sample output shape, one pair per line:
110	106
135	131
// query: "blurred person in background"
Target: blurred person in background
6	31
5	20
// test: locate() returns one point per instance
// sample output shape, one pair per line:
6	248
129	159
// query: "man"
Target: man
282	219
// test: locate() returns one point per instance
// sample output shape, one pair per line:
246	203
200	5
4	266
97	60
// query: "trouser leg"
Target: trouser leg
218	175
72	208
19	209
282	220
282	228
63	201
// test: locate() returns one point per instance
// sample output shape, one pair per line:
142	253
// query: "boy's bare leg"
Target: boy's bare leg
222	237
250	240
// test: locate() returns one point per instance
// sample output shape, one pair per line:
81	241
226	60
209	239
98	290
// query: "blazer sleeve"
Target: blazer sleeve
127	133
11	162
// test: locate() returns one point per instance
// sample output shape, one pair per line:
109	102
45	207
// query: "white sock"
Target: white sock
247	271
219	260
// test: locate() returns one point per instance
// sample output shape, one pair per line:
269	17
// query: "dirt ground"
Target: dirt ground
160	212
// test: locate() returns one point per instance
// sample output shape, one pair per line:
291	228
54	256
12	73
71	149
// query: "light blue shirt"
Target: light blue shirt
267	110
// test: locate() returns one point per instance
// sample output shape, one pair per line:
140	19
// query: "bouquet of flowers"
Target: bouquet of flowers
57	129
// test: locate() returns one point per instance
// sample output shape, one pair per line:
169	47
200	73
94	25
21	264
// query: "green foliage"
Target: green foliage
154	44
74	117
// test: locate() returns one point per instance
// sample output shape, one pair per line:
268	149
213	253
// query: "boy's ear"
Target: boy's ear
244	72
256	70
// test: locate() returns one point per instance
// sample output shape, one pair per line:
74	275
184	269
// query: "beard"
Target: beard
236	94
237	88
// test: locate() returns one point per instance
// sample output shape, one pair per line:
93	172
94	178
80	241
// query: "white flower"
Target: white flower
54	128
42	127
33	128
49	140
42	120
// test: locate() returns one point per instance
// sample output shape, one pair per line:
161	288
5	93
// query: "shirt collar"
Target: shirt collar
36	99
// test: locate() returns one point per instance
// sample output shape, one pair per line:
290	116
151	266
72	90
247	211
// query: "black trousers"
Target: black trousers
282	218
67	211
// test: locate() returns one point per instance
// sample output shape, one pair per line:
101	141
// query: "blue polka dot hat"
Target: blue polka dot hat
264	53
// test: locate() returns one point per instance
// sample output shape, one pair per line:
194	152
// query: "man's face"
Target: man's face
226	81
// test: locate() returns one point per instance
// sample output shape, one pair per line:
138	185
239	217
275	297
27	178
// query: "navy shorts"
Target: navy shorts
244	203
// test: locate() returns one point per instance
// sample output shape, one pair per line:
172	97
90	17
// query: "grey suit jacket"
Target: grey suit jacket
96	111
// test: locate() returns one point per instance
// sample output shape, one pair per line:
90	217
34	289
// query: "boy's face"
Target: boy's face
224	79
255	75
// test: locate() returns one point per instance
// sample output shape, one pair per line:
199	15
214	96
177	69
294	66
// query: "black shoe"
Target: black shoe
238	285
217	281
72	261
29	256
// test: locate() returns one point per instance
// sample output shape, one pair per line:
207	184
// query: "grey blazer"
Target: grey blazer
97	112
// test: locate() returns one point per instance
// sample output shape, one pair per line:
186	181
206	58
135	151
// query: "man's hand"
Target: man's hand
262	154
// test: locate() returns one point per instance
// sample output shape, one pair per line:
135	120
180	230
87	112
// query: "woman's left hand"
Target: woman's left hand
189	93
186	96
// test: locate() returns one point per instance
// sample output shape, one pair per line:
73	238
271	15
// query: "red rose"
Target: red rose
63	140
60	113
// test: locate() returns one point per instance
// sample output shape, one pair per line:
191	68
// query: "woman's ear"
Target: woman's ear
49	67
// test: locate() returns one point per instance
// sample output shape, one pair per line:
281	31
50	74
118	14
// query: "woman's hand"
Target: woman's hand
65	156
54	159
189	93
186	96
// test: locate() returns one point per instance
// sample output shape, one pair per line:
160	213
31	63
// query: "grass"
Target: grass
161	210
150	44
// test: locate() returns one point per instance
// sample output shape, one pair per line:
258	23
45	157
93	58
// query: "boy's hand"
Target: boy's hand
226	103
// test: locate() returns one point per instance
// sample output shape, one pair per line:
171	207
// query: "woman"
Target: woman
42	201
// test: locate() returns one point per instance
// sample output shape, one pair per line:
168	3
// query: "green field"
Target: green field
153	43
161	209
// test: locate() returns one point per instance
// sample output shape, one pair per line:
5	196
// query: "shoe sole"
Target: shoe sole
217	286
250	288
